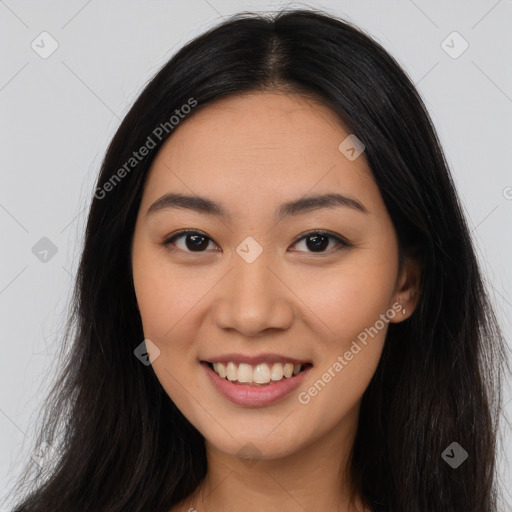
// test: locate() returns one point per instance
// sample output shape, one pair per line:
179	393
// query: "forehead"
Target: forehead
260	146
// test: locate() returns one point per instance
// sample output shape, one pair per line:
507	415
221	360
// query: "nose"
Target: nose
254	298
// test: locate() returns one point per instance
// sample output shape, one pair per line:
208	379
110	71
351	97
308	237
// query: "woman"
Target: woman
278	305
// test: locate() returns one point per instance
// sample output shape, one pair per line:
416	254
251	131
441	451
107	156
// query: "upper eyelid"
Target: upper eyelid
340	240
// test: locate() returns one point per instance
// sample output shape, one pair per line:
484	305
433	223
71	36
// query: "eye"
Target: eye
318	241
195	241
315	241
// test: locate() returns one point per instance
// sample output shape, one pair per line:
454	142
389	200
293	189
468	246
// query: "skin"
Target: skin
251	153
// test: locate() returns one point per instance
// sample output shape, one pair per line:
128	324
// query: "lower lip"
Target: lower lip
255	396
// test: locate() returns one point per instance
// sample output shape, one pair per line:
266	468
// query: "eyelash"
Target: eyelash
341	244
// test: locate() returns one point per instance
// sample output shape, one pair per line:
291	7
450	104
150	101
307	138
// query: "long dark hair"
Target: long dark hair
123	444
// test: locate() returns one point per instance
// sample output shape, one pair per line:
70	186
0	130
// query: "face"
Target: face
290	265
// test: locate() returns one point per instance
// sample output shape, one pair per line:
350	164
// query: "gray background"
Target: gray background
58	114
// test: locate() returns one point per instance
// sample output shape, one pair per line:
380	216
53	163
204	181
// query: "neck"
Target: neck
313	478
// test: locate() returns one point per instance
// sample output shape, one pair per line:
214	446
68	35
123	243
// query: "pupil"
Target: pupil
314	242
318	246
197	242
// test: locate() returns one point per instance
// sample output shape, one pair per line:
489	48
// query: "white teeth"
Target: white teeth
260	374
221	370
288	370
277	371
244	372
231	371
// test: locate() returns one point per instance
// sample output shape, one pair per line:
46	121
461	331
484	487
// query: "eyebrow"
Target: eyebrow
207	206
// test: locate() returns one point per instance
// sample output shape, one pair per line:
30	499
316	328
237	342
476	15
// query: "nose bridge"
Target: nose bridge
253	299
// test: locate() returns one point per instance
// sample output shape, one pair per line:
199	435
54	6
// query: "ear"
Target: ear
407	290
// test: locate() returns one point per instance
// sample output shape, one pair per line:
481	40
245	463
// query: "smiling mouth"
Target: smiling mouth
263	374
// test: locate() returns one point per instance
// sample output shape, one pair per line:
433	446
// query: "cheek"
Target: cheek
355	304
356	310
164	297
166	305
352	296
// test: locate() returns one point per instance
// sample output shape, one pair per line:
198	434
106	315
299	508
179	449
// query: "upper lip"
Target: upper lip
252	360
